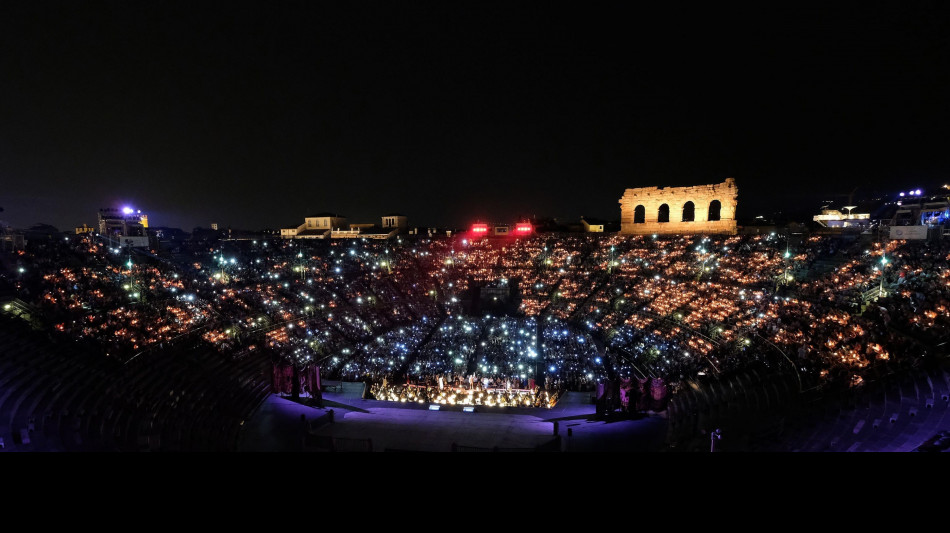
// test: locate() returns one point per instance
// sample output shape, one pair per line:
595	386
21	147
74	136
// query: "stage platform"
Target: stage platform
393	426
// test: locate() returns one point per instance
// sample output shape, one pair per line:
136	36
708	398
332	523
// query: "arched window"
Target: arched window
663	215
689	212
639	215
714	207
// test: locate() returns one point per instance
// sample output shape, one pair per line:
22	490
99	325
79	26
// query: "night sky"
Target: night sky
254	115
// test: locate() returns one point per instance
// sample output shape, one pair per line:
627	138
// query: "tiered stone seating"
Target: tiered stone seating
896	413
737	405
186	397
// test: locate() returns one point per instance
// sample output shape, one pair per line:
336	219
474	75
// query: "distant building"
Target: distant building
214	226
391	226
317	226
332	226
592	225
931	211
126	227
834	218
397	221
918	216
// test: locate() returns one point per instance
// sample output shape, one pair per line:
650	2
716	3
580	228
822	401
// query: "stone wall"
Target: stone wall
651	198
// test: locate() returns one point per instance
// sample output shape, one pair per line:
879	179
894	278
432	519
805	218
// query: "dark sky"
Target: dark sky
257	114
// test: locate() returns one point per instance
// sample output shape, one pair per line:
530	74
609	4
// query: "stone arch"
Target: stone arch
708	217
689	212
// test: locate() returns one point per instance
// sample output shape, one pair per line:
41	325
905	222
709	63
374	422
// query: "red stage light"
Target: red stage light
523	228
480	228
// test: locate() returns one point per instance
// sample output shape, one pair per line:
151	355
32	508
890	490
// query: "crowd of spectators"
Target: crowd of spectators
584	308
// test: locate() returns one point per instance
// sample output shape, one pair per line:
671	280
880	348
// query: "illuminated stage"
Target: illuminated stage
398	426
452	396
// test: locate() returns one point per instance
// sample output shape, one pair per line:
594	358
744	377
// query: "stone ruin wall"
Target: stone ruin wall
651	198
